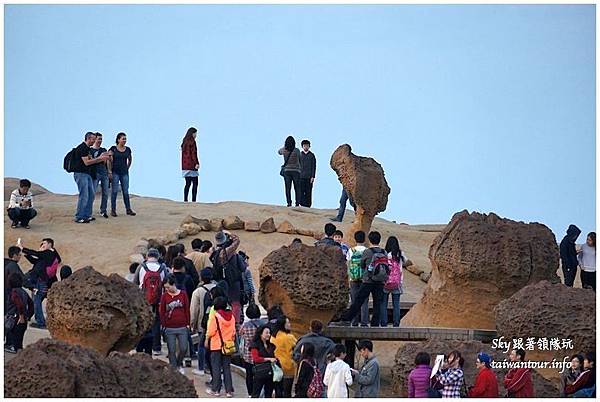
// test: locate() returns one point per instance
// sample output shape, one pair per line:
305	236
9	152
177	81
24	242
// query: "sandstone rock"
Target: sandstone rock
546	310
477	261
154	242
252	226
191	229
268	226
141	247
425	276
233	223
405	362
407	263
364	180
287	278
216	224
413	269
203	223
318	235
305	232
180	233
136	258
99	312
56	369
286	227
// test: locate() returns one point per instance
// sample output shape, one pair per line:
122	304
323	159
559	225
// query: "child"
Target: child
338	376
132	270
338	237
65	272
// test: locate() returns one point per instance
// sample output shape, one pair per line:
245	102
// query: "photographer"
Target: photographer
20	207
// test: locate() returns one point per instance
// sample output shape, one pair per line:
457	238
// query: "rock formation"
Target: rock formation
307	282
477	261
405	362
252	226
286	227
56	369
203	223
268	226
233	223
364	180
103	313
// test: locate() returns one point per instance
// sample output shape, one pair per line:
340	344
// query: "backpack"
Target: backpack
355	271
379	267
231	271
208	302
152	285
69	162
51	269
395	277
315	388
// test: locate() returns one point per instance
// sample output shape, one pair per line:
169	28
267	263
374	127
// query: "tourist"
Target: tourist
284	342
585	384
375	266
329	230
263	356
101	174
45	262
196	255
355	274
451	377
571	374
297	240
182	279
342	208
586	258
249	288
338	376
338	237
393	285
200	301
486	383
568	255
227	266
273	313
220	339
323	345
418	379
65	272
190	164
307	173
133	267
20	207
174	312
162	251
290	170
247	334
306	371
206	250
17	311
11	266
84	174
368	377
517	382
215	292
118	172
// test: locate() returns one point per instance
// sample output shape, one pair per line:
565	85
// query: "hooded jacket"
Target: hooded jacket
486	384
518	384
323	346
338	378
568	253
227	326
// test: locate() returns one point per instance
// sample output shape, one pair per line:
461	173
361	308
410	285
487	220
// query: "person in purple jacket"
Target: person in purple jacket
418	379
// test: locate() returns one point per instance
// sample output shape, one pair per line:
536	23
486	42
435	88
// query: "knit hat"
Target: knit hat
485	359
206	274
153	253
220	238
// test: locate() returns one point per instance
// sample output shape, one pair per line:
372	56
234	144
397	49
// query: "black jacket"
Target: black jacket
40	260
10	267
568	253
308	163
305	375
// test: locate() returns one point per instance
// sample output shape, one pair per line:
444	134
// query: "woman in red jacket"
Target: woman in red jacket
517	381
174	312
486	384
190	163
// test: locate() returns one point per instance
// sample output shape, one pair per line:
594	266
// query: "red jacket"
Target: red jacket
174	311
518	383
585	380
189	156
486	385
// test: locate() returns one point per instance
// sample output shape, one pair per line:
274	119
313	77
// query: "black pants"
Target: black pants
156	335
376	290
569	275
306	192
15	336
145	345
22	215
193	181
266	383
588	279
289	178
249	376
283	388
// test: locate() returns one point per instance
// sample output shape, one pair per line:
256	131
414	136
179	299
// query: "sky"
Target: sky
489	108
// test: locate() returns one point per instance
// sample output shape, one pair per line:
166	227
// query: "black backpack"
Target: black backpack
208	302
231	272
69	162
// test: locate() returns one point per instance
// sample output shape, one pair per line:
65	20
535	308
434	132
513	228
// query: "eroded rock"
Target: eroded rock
252	226
233	223
216	224
286	227
268	226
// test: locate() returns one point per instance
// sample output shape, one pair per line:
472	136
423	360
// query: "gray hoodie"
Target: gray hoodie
323	347
368	379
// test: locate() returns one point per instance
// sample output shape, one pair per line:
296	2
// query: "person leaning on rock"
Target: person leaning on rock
20	207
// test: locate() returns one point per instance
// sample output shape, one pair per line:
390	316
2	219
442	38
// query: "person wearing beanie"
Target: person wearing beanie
197	311
486	383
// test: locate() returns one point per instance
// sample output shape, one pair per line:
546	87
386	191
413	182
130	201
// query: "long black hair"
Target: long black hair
189	136
119	136
280	325
290	144
392	246
172	253
592	235
308	351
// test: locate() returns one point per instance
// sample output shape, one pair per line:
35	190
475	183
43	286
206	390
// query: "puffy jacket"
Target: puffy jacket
284	348
486	385
227	325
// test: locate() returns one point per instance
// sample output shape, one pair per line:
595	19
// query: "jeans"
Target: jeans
306	192
376	290
124	180
85	202
156	340
22	216
102	179
41	291
364	309
193	181
201	353
221	362
249	376
396	307
588	279
289	178
342	208
14	337
177	336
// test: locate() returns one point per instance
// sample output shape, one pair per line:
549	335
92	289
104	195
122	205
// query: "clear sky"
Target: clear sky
487	108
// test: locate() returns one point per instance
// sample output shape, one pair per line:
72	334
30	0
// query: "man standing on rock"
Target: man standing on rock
307	174
101	174
568	255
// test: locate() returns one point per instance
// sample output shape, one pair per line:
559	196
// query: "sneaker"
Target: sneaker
10	349
341	323
212	393
156	353
91	219
104	215
197	372
335	220
131	212
14	225
82	221
181	370
229	395
27	227
36	325
113	214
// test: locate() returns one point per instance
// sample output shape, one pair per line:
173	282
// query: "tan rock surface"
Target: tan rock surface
286	227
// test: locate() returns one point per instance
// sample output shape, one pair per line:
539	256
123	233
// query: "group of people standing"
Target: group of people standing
574	258
299	169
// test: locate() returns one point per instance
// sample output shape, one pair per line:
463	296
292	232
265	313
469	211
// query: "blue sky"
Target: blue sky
487	108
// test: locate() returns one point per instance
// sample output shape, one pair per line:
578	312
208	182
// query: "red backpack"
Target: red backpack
315	388
152	285
51	269
395	277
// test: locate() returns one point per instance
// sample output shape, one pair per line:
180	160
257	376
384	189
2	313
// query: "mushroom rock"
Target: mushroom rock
252	226
51	368
233	223
268	226
364	180
191	229
216	225
477	261
103	313
287	278
286	227
203	223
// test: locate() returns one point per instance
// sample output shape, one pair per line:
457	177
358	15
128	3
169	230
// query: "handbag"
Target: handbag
10	321
434	389
262	371
228	347
277	372
282	171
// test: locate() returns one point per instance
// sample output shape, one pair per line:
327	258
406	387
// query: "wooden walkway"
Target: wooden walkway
408	333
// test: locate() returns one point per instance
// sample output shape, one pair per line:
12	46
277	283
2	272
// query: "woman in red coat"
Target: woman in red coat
486	384
190	163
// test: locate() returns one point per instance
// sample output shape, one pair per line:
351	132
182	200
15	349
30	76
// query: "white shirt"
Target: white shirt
587	258
337	379
360	249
